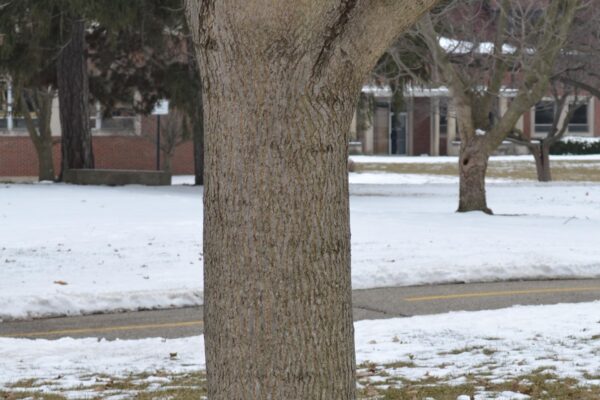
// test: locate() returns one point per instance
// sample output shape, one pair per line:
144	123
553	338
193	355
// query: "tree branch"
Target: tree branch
559	19
370	28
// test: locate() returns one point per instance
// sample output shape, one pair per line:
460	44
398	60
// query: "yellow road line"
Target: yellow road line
65	332
502	293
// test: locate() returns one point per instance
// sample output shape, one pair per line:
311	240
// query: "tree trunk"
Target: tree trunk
473	164
40	100
198	137
277	290
73	95
277	236
45	160
541	154
167	160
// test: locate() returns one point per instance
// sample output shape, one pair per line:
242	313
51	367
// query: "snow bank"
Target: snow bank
505	343
68	250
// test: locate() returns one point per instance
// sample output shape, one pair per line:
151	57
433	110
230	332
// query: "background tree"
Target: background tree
566	100
39	101
27	47
148	65
574	81
183	87
99	50
73	92
478	47
174	131
280	83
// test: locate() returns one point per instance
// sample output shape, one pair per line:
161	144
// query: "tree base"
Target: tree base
485	210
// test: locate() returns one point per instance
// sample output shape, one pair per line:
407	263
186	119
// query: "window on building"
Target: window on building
579	121
544	116
121	120
18	119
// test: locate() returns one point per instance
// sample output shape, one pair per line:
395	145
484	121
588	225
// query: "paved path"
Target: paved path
368	304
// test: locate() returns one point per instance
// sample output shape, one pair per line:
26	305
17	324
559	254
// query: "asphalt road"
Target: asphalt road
368	304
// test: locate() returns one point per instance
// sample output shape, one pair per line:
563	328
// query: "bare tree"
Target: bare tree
574	81
477	49
280	81
39	101
175	129
565	103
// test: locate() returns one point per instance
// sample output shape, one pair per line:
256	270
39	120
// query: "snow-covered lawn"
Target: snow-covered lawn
69	250
454	348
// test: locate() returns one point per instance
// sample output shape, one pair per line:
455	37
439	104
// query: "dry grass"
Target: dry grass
584	170
540	385
172	387
377	383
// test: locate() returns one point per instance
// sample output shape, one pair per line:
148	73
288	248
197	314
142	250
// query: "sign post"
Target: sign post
161	108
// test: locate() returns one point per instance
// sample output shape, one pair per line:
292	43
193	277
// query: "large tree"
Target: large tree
280	83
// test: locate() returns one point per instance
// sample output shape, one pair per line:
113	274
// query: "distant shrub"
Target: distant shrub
576	145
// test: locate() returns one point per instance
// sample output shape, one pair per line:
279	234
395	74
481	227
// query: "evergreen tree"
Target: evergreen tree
103	50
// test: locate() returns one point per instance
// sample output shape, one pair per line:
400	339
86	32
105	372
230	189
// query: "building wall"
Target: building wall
18	156
421	126
381	128
596	117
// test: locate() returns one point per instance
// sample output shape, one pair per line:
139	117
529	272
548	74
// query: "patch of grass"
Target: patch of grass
24	383
401	364
136	386
488	352
437	392
539	385
29	395
467	349
567	170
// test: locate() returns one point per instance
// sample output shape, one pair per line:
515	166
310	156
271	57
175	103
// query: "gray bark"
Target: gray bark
541	154
197	122
73	96
473	162
280	84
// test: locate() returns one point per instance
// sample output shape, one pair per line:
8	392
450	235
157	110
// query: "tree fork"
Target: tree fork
278	101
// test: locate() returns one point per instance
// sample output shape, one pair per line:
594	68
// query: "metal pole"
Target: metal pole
158	142
9	108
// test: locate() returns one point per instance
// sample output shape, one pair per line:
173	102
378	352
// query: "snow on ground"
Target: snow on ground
68	250
506	343
499	344
410	234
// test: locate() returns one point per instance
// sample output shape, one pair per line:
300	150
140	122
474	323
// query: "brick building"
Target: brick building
426	123
123	141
